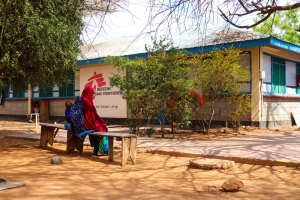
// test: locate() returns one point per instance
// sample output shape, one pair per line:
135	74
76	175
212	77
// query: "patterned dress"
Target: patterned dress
77	127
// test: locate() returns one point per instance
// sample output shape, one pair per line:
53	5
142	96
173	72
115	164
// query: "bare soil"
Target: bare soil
83	176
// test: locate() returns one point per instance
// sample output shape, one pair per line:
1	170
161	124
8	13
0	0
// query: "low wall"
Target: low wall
14	107
277	110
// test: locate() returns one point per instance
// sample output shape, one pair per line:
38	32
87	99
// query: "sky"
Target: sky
121	24
118	24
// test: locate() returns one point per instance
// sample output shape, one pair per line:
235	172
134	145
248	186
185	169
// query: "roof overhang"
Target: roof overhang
242	44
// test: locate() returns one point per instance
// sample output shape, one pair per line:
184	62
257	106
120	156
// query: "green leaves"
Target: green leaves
40	42
157	85
162	84
219	74
282	25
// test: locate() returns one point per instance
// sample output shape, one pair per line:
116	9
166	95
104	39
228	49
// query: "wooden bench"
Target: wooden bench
129	141
48	133
128	145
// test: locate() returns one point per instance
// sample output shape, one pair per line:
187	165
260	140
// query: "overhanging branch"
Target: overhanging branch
255	7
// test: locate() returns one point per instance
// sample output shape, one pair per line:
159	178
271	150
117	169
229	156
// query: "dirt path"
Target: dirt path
83	176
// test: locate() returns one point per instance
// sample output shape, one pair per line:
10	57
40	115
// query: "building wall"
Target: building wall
282	53
108	101
255	84
220	117
20	108
278	111
57	107
266	111
277	108
14	107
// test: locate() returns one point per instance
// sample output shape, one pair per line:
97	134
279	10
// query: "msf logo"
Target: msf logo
96	81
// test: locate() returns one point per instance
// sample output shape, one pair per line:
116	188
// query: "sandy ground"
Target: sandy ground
83	176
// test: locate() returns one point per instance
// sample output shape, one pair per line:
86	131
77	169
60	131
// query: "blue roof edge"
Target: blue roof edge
242	44
285	45
101	60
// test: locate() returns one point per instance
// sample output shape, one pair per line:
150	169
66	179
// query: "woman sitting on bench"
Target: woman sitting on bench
84	117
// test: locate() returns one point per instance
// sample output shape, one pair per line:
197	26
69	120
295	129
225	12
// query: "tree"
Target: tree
198	14
156	87
134	78
239	105
39	42
244	8
198	102
219	75
282	25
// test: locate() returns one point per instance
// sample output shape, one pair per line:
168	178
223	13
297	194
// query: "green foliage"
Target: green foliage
155	86
282	25
132	124
218	75
132	78
150	131
180	112
39	42
239	106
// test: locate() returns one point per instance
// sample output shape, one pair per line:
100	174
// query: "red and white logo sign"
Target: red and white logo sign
96	81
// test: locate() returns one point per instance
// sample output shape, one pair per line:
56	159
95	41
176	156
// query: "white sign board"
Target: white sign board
108	101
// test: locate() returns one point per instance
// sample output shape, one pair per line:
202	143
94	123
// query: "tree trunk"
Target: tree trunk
162	124
211	116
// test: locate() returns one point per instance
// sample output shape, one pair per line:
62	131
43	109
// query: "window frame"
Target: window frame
274	61
18	94
69	88
46	92
281	74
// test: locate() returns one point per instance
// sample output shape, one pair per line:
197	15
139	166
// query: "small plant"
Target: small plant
149	131
240	105
132	124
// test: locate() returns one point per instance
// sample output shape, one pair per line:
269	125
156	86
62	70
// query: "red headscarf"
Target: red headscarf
92	121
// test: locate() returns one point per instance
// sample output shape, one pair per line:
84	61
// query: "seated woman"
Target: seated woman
92	121
84	120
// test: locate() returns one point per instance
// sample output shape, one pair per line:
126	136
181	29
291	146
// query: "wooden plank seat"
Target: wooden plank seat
128	145
49	131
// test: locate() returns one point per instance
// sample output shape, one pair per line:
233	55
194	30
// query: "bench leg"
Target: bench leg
69	148
132	151
110	149
47	136
125	150
79	144
73	143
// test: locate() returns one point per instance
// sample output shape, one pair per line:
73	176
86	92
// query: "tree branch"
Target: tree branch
255	7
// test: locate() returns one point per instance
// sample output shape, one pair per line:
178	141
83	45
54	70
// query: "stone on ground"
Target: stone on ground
208	163
56	160
232	185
